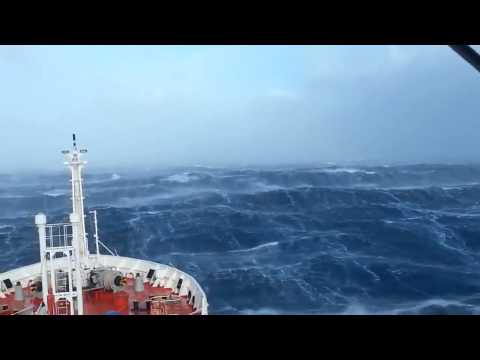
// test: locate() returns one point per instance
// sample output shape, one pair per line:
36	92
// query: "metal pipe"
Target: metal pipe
468	54
106	248
94	212
41	223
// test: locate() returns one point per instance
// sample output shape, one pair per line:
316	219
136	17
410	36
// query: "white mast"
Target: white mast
75	163
63	252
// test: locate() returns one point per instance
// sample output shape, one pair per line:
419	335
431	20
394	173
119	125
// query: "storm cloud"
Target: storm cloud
153	106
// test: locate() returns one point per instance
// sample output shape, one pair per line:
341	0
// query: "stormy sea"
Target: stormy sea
399	239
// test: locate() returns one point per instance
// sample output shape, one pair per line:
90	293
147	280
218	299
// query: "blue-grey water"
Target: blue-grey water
320	240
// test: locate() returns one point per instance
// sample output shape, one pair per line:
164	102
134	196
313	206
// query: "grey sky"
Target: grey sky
236	105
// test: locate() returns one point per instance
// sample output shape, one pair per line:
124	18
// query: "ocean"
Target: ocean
398	239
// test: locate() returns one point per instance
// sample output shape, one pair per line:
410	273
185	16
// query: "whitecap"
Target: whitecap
182	178
55	193
266	245
260	311
349	170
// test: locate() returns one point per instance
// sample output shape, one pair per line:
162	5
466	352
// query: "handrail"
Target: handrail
97	240
106	248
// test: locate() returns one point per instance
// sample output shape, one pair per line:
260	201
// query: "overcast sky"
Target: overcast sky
154	106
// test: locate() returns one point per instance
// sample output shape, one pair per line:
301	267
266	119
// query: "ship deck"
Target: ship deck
152	301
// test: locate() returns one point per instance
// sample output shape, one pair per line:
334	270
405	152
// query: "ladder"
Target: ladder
62	282
63	307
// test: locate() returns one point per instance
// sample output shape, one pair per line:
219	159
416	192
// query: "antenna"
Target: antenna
75	150
76	164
